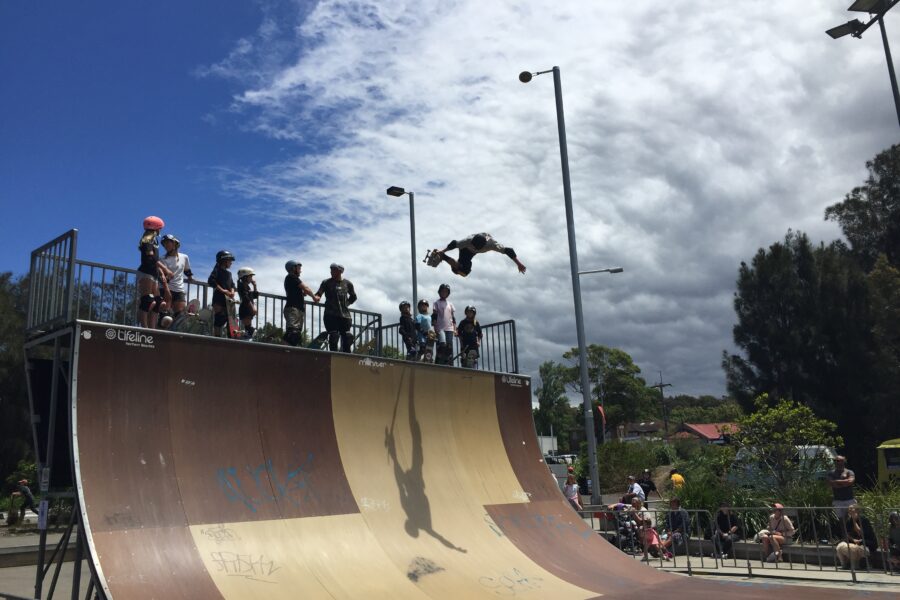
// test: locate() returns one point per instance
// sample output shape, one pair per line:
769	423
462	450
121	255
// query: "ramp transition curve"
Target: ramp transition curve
213	469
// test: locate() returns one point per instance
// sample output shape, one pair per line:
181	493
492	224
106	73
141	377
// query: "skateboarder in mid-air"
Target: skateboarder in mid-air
478	243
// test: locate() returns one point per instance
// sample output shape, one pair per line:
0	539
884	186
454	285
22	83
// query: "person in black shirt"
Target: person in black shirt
339	295
246	289
223	287
859	539
23	490
408	331
149	272
841	481
294	306
647	484
469	332
727	530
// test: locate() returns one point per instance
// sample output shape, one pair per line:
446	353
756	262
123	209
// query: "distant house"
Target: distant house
645	430
711	433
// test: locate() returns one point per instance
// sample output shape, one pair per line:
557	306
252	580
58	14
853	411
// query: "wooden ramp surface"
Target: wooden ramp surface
217	469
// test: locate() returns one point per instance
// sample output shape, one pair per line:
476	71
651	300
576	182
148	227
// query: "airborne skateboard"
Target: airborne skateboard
433	258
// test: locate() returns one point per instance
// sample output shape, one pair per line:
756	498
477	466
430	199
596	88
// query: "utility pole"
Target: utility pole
662	400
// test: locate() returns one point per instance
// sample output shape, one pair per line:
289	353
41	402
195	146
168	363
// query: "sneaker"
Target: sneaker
668	556
772	557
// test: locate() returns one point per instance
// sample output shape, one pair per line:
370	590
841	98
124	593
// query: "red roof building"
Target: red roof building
711	433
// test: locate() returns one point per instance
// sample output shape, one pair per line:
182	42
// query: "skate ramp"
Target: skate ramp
214	469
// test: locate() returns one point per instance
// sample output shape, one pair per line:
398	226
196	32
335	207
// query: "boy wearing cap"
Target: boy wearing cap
294	305
339	295
179	264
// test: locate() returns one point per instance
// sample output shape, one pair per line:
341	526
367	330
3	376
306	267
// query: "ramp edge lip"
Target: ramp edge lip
73	419
398	361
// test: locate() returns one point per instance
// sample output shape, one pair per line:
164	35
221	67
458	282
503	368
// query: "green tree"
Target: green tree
554	411
616	380
15	427
771	434
870	214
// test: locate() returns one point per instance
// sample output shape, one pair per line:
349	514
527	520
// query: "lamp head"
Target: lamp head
395	191
525	76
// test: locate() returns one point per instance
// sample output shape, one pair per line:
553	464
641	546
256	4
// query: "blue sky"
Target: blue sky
105	119
697	133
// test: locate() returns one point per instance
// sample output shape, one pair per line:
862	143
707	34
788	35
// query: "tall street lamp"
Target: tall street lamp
397	192
525	77
602	404
855	28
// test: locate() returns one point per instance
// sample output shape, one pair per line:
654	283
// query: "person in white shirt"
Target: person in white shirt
180	266
444	317
635	488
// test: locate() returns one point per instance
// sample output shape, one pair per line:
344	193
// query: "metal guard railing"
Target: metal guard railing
814	546
63	288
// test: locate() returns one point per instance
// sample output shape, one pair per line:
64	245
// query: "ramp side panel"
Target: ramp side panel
253	432
314	557
130	498
422	490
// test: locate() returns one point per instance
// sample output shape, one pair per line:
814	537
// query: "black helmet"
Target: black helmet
443	286
479	241
289	265
223	255
472	308
171	238
404	303
422	301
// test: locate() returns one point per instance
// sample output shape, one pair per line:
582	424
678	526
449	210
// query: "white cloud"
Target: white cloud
697	133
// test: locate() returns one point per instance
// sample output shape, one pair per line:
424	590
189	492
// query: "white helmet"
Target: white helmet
245	271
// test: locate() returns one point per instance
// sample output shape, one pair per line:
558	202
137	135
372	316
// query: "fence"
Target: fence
497	351
813	547
64	288
50	283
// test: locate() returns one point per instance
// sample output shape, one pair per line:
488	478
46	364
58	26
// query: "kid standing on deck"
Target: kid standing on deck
246	288
223	286
424	330
408	331
444	315
469	331
149	272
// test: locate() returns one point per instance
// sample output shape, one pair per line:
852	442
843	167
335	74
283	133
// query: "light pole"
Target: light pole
397	192
855	28
611	270
525	77
662	401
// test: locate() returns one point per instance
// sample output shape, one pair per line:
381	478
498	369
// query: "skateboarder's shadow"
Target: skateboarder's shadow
411	482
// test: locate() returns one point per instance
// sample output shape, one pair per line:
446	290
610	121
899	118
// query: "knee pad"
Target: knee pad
147	302
220	319
291	338
509	252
